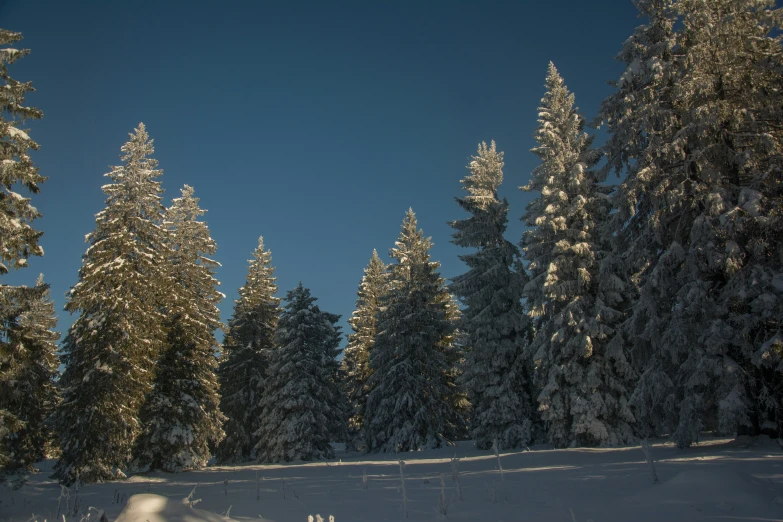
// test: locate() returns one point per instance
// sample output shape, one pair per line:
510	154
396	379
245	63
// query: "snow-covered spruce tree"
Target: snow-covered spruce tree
453	346
726	197
496	329
245	358
303	409
181	418
584	377
18	239
411	405
110	351
739	132
28	369
338	402
707	181
356	361
642	120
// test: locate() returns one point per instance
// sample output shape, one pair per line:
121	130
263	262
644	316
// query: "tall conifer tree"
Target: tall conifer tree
496	374
18	241
584	376
356	362
181	419
27	374
110	351
245	358
642	119
303	409
412	402
701	193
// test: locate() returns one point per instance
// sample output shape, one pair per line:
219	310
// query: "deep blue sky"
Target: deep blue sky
315	124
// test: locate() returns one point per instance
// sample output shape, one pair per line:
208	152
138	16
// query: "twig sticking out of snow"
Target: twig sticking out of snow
455	474
404	493
189	499
76	497
443	505
647	449
500	468
65	493
88	516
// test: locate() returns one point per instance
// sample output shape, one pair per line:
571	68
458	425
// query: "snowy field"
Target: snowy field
718	480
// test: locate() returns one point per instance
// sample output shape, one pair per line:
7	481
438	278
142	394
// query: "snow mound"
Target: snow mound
702	494
156	508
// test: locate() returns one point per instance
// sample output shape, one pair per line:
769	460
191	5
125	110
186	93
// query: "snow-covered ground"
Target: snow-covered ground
718	480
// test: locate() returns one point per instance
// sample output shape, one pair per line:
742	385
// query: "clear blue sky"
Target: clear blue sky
315	124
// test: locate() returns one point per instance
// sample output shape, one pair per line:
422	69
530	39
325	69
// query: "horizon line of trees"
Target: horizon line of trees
651	308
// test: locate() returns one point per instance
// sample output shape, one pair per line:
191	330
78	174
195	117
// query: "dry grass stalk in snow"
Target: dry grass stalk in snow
443	505
404	493
455	475
500	468
647	449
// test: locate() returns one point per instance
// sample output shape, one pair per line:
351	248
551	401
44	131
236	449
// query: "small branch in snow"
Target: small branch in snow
443	505
647	449
404	493
189	499
500	468
455	474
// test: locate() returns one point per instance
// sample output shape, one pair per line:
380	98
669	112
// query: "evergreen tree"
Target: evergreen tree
356	362
496	328
333	391
734	137
584	376
181	418
725	331
711	173
412	402
111	349
28	369
453	347
302	403
642	119
18	239
245	358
